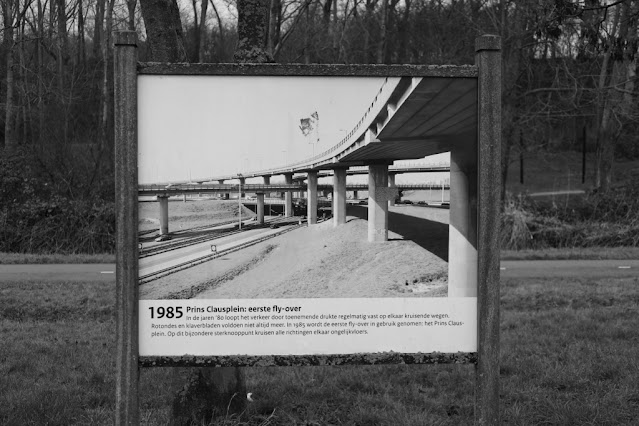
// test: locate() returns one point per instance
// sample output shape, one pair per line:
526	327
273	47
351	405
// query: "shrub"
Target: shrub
39	218
609	219
515	234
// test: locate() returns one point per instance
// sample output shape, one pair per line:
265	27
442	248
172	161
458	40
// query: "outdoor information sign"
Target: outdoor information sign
254	225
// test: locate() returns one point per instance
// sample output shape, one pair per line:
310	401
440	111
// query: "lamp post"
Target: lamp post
239	199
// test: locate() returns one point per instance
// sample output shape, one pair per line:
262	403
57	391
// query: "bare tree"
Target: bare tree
8	19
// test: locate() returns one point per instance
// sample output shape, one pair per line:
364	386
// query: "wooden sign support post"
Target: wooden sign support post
126	208
488	61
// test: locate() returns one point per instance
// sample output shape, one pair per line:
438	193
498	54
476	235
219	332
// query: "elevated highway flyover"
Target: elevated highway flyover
437	110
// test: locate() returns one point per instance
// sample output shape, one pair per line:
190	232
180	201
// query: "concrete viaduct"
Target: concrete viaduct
409	118
163	192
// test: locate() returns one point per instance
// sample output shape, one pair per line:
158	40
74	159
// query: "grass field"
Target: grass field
570	356
587	253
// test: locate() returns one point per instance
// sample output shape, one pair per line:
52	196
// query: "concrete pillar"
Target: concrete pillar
260	207
267	181
311	200
378	195
243	182
163	202
221	182
339	196
288	196
391	184
462	230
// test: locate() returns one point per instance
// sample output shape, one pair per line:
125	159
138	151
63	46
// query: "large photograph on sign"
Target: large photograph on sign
254	189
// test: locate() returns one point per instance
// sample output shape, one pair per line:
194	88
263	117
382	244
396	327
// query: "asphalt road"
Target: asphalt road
158	262
509	269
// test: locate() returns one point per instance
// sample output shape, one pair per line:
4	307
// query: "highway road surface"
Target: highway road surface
162	261
509	269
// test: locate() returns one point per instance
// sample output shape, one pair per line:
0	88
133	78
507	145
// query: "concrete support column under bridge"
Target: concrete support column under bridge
339	196
391	184
378	196
311	200
226	195
163	202
242	182
462	230
260	207
288	196
267	181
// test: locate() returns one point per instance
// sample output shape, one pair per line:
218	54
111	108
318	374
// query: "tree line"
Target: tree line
569	66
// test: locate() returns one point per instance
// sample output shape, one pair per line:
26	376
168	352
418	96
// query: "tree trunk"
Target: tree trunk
370	8
252	31
202	30
196	33
219	23
40	76
604	152
164	34
10	142
630	55
106	109
25	101
381	46
274	26
507	143
98	28
131	5
63	51
81	49
404	31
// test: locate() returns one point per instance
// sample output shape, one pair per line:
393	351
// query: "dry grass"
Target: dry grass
570	355
572	253
54	258
324	261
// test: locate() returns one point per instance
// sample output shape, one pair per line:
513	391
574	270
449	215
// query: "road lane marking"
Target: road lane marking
623	267
501	268
107	272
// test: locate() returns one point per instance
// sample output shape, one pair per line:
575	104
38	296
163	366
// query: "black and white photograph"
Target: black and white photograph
300	186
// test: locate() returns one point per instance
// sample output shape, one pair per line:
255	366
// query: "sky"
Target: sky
193	127
196	127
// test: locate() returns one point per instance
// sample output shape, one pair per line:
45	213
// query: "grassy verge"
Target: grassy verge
572	253
569	356
585	253
28	258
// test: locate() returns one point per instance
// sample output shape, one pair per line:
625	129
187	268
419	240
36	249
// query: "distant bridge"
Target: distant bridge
355	170
167	191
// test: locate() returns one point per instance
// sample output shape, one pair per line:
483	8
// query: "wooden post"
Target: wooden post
126	208
488	61
583	155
